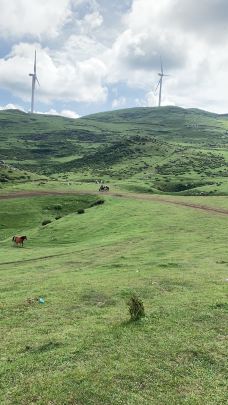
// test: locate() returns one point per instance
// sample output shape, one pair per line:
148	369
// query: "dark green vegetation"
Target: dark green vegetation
165	150
10	174
79	346
136	308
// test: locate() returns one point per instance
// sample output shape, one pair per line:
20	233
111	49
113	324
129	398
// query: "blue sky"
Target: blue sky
98	55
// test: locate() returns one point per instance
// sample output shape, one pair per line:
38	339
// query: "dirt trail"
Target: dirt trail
35	259
145	197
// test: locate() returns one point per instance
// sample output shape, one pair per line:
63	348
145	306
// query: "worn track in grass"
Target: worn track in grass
144	197
134	196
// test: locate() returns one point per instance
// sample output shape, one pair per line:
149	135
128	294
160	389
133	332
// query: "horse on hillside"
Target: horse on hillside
19	240
103	188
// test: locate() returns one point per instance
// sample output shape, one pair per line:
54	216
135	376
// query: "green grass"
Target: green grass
79	347
166	150
21	216
9	175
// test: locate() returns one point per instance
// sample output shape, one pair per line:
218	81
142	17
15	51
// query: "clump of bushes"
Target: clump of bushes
81	211
98	202
136	308
58	217
46	221
58	207
4	179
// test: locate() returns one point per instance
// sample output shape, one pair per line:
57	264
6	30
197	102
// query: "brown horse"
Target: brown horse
19	240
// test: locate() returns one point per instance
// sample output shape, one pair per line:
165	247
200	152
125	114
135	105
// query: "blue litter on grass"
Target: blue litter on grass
41	300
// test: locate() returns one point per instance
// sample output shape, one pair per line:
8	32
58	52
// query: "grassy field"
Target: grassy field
164	150
79	346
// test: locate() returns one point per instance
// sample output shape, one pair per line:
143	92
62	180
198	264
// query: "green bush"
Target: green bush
4	179
46	221
58	217
58	207
81	211
98	202
136	308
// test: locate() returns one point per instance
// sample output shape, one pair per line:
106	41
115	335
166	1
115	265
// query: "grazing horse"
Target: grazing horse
19	240
103	188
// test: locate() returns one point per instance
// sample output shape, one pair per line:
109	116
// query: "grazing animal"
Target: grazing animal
19	240
103	188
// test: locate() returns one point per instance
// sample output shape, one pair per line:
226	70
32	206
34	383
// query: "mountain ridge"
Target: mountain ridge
168	149
168	107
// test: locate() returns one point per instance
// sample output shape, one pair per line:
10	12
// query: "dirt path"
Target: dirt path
35	259
145	197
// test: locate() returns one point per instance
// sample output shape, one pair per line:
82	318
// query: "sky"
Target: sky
100	55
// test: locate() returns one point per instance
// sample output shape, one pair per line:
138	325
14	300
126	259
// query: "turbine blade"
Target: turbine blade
37	80
35	63
155	91
162	72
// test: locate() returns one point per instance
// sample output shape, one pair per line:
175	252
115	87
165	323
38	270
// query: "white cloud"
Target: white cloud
90	22
60	77
138	48
80	47
33	17
86	46
52	111
69	114
206	18
63	113
197	65
11	107
119	102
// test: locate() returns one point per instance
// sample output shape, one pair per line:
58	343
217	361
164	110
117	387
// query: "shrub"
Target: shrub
136	308
58	207
98	202
58	217
46	221
81	211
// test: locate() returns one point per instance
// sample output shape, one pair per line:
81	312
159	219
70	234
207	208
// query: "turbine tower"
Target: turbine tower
34	80
160	83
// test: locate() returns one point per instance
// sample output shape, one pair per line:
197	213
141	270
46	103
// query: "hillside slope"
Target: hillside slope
79	347
168	149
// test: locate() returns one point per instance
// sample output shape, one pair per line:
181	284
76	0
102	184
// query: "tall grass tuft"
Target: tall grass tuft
136	308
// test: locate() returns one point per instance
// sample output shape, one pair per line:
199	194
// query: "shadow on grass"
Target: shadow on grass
43	348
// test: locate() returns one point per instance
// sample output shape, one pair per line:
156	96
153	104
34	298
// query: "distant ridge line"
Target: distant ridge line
89	116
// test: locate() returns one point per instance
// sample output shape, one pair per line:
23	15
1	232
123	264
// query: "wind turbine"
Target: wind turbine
34	80
160	83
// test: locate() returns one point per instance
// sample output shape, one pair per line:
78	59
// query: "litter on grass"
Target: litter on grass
41	300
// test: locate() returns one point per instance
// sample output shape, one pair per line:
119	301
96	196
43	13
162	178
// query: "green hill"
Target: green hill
66	334
79	346
9	174
167	149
